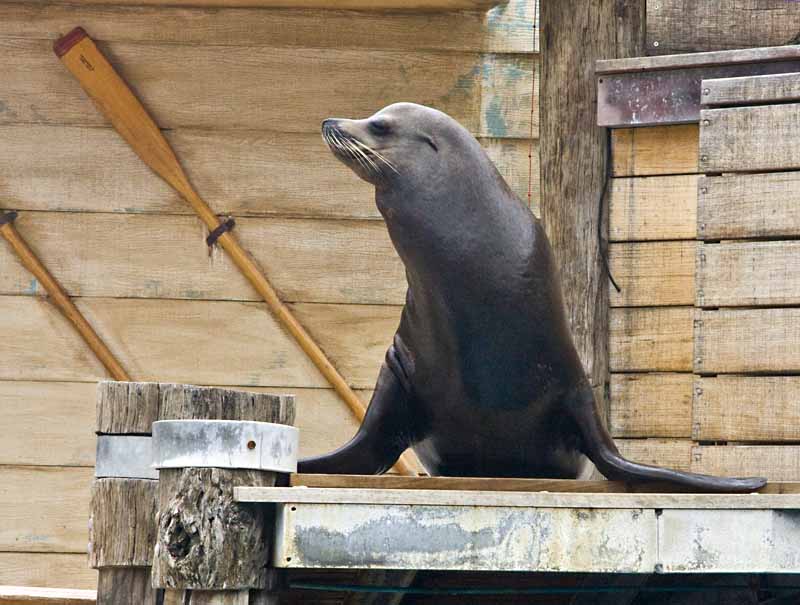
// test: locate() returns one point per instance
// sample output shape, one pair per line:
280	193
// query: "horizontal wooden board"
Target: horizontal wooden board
124	256
748	340
651	405
690	26
52	423
47	423
775	462
49	570
652	208
503	29
284	89
45	509
749	206
752	90
747	408
504	484
195	342
749	139
655	150
650	339
18	595
652	273
256	173
420	5
670	453
748	274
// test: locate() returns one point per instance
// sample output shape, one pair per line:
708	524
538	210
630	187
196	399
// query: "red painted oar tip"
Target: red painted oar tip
63	45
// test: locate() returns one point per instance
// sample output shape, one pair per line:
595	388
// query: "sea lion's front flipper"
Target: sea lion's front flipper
601	449
382	437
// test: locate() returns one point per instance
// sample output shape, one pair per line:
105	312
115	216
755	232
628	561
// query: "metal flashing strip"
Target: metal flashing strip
225	444
649	91
124	456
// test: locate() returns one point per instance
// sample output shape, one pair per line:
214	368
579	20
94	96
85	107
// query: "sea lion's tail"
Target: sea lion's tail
602	451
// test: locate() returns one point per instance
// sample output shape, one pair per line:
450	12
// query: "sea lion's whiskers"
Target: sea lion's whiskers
360	154
377	154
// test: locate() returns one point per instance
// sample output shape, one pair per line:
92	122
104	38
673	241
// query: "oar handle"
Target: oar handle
59	297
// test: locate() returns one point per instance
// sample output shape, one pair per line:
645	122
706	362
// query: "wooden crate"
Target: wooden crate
703	223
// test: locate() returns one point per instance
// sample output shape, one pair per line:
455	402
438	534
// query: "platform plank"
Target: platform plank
501	484
18	595
752	90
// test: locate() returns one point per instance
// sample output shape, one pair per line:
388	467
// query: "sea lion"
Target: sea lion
483	378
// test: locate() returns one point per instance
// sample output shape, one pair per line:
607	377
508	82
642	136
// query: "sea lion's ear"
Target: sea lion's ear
429	140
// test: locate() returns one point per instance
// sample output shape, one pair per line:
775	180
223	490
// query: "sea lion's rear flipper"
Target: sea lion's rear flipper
382	437
598	445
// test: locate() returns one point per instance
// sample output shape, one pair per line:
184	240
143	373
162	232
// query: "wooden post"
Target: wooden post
123	507
574	33
209	549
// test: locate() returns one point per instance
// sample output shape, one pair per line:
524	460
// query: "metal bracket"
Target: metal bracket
127	456
225	444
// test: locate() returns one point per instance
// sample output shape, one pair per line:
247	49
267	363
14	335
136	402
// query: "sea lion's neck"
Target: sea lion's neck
471	234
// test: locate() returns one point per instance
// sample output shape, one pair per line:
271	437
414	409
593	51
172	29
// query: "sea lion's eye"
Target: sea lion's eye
380	127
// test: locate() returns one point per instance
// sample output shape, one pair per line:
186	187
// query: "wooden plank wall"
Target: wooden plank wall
687	26
706	300
241	92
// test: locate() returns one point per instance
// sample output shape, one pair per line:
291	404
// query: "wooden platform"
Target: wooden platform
419	524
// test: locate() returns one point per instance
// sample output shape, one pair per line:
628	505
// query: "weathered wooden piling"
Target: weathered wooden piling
204	548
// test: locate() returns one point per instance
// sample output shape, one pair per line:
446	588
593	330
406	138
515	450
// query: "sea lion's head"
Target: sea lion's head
404	145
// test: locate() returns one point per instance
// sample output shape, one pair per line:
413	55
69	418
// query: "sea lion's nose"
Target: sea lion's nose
330	123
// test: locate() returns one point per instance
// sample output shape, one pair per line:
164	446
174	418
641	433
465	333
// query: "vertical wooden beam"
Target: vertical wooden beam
575	33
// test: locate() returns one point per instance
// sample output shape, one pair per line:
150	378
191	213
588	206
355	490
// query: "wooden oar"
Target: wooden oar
129	117
59	297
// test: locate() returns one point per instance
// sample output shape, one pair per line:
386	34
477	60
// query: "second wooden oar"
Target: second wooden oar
59	297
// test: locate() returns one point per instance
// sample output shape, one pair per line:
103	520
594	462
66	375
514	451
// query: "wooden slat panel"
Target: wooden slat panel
653	273
655	150
744	139
748	340
752	90
47	423
747	408
45	509
52	423
749	205
689	26
651	339
660	452
288	90
47	570
243	173
651	405
126	256
776	462
420	5
748	274
503	29
194	342
652	208
16	595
